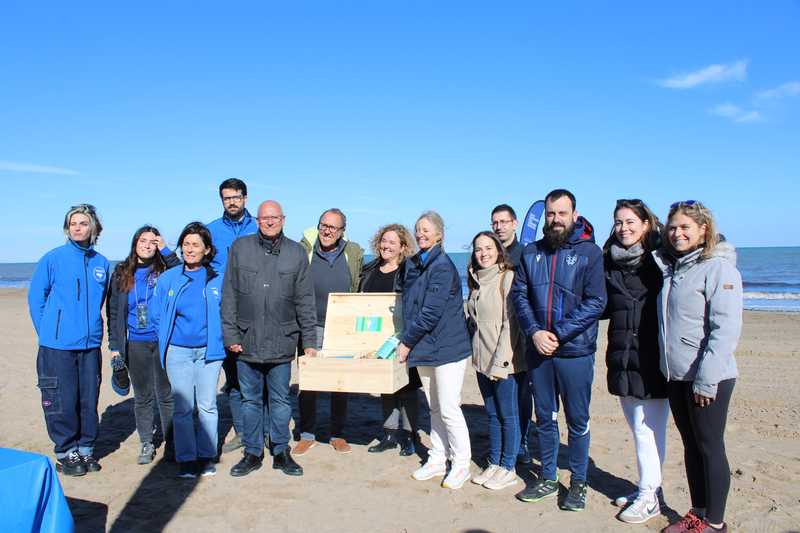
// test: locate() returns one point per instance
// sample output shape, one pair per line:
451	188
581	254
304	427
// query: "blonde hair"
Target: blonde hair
438	222
95	227
701	215
406	241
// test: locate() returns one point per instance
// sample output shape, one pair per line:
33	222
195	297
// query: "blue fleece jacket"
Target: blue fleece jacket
171	287
562	291
223	232
66	296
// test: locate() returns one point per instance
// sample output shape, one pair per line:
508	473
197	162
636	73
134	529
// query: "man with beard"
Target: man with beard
235	222
559	294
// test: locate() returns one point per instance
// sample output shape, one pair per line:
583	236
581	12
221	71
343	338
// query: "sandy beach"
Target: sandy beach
362	492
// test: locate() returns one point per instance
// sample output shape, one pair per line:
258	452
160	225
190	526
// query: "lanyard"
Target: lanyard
146	289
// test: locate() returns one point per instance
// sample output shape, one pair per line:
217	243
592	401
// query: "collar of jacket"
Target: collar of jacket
246	217
433	252
272	246
80	249
210	273
340	244
513	244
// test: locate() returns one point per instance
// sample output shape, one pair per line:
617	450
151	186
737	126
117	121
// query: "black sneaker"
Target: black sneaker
91	463
388	442
524	457
407	446
207	467
249	463
187	470
120	380
71	465
543	488
576	497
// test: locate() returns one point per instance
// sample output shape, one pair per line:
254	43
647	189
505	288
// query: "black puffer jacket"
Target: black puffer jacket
632	356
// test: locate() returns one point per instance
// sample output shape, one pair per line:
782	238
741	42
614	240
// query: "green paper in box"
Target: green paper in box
370	324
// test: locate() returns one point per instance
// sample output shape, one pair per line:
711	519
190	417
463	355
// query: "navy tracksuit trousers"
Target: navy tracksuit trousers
570	379
69	381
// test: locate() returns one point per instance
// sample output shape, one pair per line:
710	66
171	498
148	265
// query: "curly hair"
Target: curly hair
406	240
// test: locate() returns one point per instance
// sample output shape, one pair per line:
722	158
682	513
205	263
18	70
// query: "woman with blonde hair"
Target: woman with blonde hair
498	356
392	245
435	341
700	321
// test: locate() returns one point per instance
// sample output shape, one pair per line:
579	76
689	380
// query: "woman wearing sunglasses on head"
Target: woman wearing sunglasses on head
65	301
633	282
132	336
700	318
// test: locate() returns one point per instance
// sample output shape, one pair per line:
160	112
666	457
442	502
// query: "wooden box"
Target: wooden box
356	325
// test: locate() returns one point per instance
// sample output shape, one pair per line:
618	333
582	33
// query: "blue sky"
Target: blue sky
385	109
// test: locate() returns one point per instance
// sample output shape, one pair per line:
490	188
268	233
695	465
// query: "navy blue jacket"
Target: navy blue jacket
223	232
66	297
434	324
169	289
562	291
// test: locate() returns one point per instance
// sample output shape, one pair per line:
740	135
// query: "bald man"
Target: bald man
267	302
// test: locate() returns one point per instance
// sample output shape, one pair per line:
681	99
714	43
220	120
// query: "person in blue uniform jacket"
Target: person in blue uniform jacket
65	300
187	319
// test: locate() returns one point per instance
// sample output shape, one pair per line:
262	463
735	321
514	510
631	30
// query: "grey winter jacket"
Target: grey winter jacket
268	299
700	317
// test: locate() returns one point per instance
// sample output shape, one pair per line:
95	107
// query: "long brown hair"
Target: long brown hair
125	270
502	257
651	238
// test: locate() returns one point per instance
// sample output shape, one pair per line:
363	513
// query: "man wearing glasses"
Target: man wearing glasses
267	308
504	225
235	222
335	267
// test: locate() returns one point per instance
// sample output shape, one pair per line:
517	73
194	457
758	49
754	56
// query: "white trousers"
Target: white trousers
648	422
449	433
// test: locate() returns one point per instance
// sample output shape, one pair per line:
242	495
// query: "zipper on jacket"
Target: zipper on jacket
58	322
86	284
78	283
550	291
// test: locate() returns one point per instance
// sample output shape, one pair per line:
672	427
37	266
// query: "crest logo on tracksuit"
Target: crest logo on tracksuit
572	259
99	274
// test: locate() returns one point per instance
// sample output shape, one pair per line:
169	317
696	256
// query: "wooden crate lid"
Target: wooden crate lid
361	322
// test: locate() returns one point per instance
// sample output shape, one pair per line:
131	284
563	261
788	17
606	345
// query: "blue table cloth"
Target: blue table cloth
31	498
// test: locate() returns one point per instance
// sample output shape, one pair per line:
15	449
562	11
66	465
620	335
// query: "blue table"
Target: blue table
31	498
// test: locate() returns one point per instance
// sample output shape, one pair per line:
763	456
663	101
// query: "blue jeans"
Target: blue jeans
233	391
571	379
254	379
502	407
194	380
69	381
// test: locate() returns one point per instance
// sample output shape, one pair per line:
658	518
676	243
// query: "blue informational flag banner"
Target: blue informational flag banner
531	223
31	498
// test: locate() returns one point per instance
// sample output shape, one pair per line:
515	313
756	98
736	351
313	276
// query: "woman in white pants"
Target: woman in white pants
633	282
435	341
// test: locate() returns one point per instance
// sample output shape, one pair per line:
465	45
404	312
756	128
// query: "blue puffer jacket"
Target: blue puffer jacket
562	291
66	297
223	232
170	287
434	325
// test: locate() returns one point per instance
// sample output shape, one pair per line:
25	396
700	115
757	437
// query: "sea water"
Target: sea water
771	276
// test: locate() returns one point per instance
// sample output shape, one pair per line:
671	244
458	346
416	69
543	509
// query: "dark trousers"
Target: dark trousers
569	378
702	431
69	381
233	391
525	403
308	414
400	410
256	380
150	385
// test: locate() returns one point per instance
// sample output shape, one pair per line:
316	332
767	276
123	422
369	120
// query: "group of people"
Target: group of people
245	299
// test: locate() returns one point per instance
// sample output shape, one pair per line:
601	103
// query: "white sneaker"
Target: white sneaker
429	470
501	479
486	475
640	511
456	478
622	501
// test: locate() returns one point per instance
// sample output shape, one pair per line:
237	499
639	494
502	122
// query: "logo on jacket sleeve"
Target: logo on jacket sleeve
99	274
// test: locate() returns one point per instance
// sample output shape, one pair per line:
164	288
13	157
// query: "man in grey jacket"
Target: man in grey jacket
267	303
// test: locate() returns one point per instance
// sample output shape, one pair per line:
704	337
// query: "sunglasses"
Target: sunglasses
629	201
683	202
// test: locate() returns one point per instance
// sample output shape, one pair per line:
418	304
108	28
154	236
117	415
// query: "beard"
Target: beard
234	212
555	235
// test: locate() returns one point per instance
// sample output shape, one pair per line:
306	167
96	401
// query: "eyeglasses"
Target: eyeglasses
326	227
683	202
502	222
271	218
228	199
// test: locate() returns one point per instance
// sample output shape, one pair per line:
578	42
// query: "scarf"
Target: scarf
627	258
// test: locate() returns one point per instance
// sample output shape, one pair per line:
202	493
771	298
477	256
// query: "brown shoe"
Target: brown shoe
302	447
340	445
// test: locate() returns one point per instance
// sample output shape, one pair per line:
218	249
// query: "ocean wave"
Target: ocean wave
772	295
